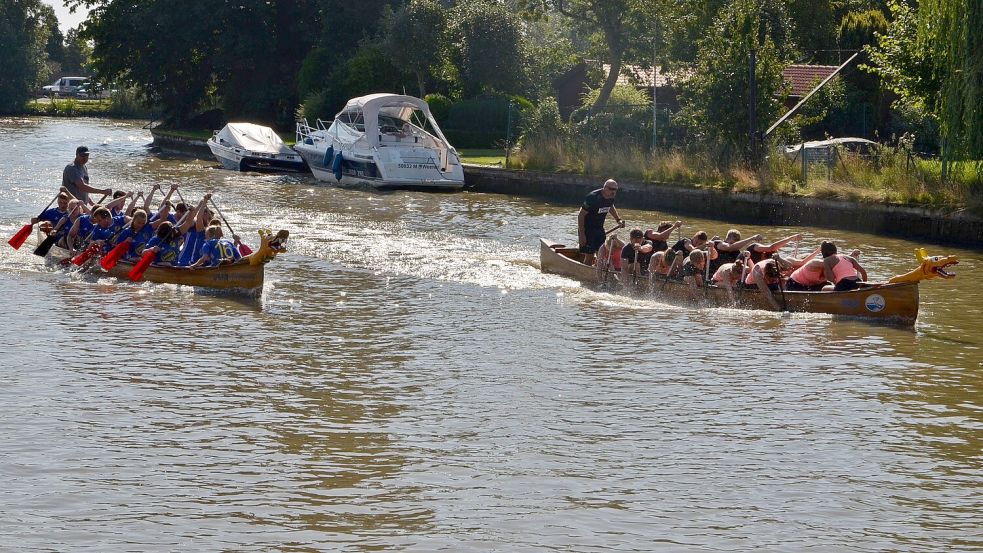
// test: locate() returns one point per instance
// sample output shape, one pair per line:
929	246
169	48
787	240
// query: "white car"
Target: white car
65	86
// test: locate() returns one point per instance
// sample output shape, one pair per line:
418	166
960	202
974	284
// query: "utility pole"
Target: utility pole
753	105
655	88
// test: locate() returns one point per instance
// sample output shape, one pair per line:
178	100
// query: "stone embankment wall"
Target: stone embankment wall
962	229
180	145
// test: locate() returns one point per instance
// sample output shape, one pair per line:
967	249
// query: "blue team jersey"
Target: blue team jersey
53	215
153	218
138	239
99	233
85	226
169	250
219	250
191	251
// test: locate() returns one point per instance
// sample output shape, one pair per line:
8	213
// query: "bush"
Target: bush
440	107
544	121
484	122
317	105
626	119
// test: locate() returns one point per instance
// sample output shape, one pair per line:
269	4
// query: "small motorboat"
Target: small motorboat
383	141
250	147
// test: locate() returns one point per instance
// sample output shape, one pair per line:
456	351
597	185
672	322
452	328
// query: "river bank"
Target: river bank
929	225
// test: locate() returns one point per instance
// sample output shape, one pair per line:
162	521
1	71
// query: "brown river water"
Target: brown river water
409	380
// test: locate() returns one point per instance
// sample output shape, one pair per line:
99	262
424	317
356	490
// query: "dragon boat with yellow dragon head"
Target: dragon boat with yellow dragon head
894	301
243	276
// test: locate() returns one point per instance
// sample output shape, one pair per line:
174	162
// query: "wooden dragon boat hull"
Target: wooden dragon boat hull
895	303
246	275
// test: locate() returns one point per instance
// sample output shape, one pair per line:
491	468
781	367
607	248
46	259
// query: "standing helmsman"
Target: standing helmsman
75	177
590	221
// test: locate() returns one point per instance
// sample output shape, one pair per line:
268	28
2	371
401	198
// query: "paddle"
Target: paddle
781	287
110	259
608	260
136	273
18	239
706	272
740	283
86	254
245	250
45	246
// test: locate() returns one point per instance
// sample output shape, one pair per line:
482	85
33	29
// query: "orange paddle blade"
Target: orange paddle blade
136	273
18	240
113	256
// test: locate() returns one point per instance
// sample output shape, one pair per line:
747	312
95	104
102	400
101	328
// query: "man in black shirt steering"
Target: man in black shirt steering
590	220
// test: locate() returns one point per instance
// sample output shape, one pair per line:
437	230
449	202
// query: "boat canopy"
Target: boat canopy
255	138
369	113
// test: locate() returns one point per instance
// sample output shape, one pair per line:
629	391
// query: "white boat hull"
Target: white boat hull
367	172
377	141
274	157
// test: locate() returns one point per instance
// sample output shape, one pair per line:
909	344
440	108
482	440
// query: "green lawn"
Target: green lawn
483	157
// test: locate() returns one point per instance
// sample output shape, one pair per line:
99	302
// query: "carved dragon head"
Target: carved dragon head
936	265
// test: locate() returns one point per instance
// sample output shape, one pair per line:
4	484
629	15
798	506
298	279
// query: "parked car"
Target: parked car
860	146
65	86
92	91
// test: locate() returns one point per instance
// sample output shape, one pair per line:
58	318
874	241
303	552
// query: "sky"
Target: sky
67	20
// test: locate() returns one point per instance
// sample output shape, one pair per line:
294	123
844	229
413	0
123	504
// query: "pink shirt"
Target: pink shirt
810	274
842	269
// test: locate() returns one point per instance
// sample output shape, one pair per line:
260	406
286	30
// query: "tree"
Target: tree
184	54
617	22
23	36
55	45
717	98
951	33
77	52
412	38
256	66
486	48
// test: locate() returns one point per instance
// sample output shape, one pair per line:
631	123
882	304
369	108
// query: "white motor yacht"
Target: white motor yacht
383	141
249	147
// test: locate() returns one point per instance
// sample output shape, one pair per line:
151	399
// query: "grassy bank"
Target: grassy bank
890	177
121	105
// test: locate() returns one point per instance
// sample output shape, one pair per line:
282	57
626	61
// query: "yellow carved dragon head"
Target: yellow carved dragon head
269	246
930	267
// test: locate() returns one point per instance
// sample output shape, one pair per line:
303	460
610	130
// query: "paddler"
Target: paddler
844	271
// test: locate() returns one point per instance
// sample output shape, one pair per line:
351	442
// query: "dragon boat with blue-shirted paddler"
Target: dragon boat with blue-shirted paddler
894	301
245	275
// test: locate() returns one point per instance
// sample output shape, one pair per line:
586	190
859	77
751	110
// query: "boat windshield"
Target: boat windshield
405	121
352	118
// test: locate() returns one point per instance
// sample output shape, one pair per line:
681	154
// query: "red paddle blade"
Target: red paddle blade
18	240
245	250
85	255
136	273
113	256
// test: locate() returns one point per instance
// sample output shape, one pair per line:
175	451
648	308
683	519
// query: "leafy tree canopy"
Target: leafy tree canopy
718	95
23	36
